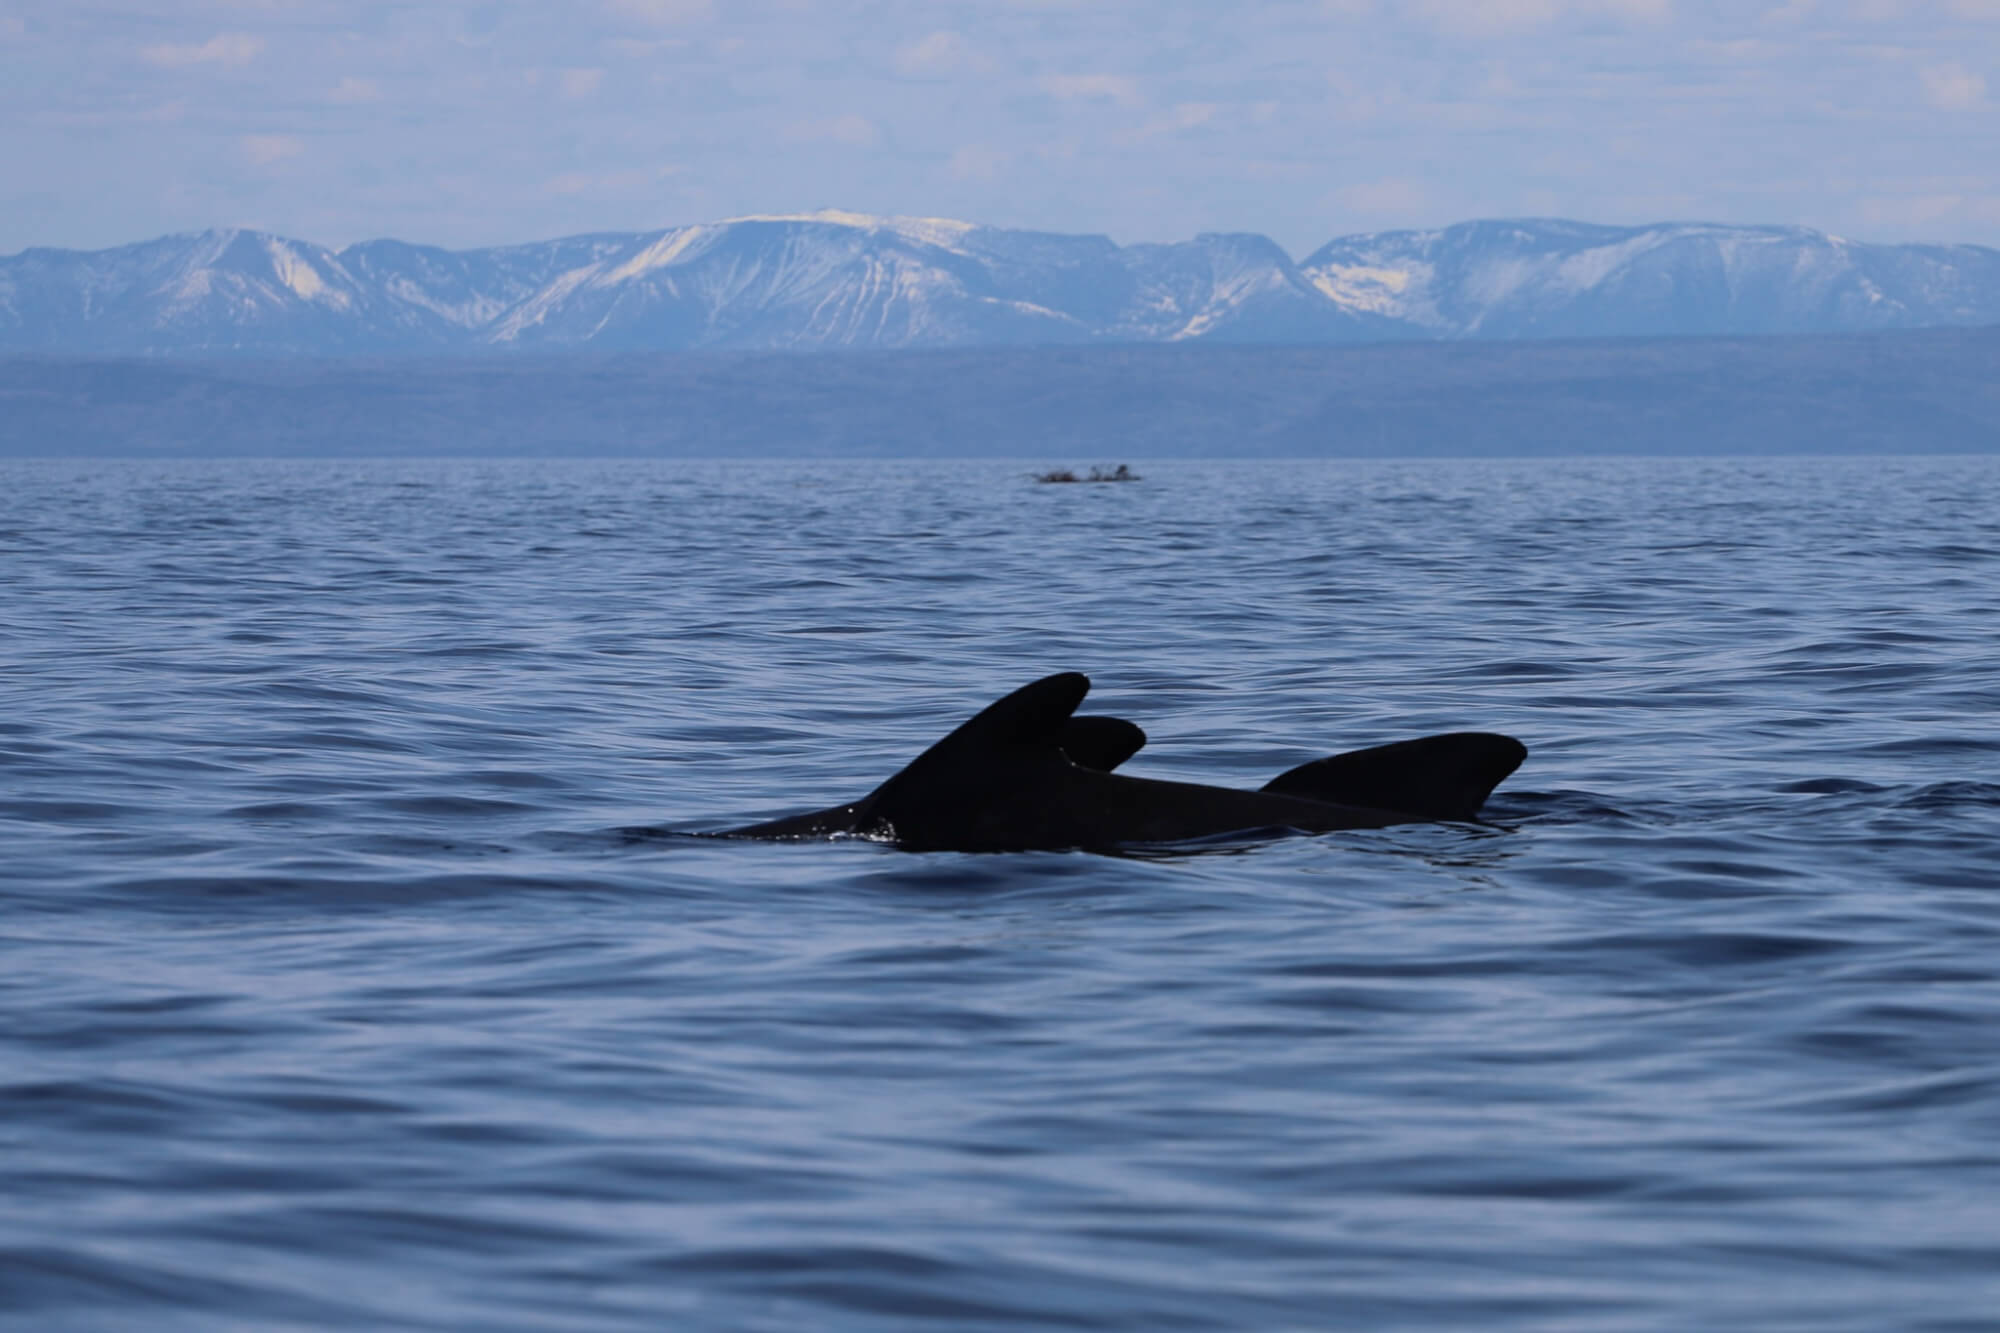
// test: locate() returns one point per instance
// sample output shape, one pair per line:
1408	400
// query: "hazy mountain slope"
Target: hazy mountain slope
847	281
1553	279
784	283
218	291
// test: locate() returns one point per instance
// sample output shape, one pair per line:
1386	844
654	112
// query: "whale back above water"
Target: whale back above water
1026	774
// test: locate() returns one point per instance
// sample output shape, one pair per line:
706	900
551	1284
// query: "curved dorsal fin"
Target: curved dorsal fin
1100	743
1438	777
1033	715
957	777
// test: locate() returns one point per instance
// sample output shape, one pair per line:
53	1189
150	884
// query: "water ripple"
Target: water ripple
363	970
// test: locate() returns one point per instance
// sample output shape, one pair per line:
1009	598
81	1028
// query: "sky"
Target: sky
477	122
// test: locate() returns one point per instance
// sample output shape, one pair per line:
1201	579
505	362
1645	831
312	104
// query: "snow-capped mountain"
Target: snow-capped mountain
1553	279
843	280
822	281
220	291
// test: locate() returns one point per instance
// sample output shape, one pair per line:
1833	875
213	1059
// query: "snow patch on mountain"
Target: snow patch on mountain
1379	291
1589	268
662	252
1551	278
539	306
945	233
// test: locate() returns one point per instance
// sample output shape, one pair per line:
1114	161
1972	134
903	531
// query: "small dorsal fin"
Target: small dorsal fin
1100	743
1438	777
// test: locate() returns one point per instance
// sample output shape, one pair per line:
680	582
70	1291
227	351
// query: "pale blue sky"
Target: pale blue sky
472	123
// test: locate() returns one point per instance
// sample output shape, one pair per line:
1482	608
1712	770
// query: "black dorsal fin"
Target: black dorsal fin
1033	715
1100	743
1438	777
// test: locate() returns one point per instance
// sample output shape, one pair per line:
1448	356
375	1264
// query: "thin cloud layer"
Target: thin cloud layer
226	48
477	121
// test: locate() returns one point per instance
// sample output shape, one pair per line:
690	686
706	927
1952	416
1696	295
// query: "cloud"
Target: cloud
1484	18
1638	11
1184	116
263	150
662	13
226	48
581	82
1952	87
1479	17
352	91
647	48
1391	197
1119	88
979	162
936	54
474	26
1649	205
1791	12
1914	210
1353	102
1737	50
634	180
854	130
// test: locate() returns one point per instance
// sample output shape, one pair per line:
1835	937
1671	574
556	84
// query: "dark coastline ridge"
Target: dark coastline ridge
1929	391
1122	472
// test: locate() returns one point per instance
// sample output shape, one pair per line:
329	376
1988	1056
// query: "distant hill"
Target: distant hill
841	281
1931	391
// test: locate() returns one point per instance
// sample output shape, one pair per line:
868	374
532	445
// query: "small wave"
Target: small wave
1711	949
1935	747
1555	807
1928	1092
451	807
57	1284
1947	795
348	986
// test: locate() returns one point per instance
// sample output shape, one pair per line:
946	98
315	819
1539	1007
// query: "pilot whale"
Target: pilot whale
1027	774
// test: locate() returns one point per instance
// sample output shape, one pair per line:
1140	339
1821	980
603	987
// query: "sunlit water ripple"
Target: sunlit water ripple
335	994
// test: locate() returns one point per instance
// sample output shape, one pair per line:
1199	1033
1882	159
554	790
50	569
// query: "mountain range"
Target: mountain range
834	280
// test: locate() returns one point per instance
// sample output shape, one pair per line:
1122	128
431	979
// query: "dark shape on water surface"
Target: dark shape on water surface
1123	472
1025	774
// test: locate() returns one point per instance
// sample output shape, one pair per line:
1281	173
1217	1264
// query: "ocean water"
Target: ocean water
354	972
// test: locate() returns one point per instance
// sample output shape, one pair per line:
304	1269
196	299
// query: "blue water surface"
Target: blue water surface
335	991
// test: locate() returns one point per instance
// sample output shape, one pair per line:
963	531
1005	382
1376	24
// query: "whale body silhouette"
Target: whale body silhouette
1026	774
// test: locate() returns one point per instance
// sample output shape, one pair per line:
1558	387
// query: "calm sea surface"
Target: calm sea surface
336	991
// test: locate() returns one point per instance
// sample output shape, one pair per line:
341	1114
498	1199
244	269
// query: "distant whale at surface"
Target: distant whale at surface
1026	774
